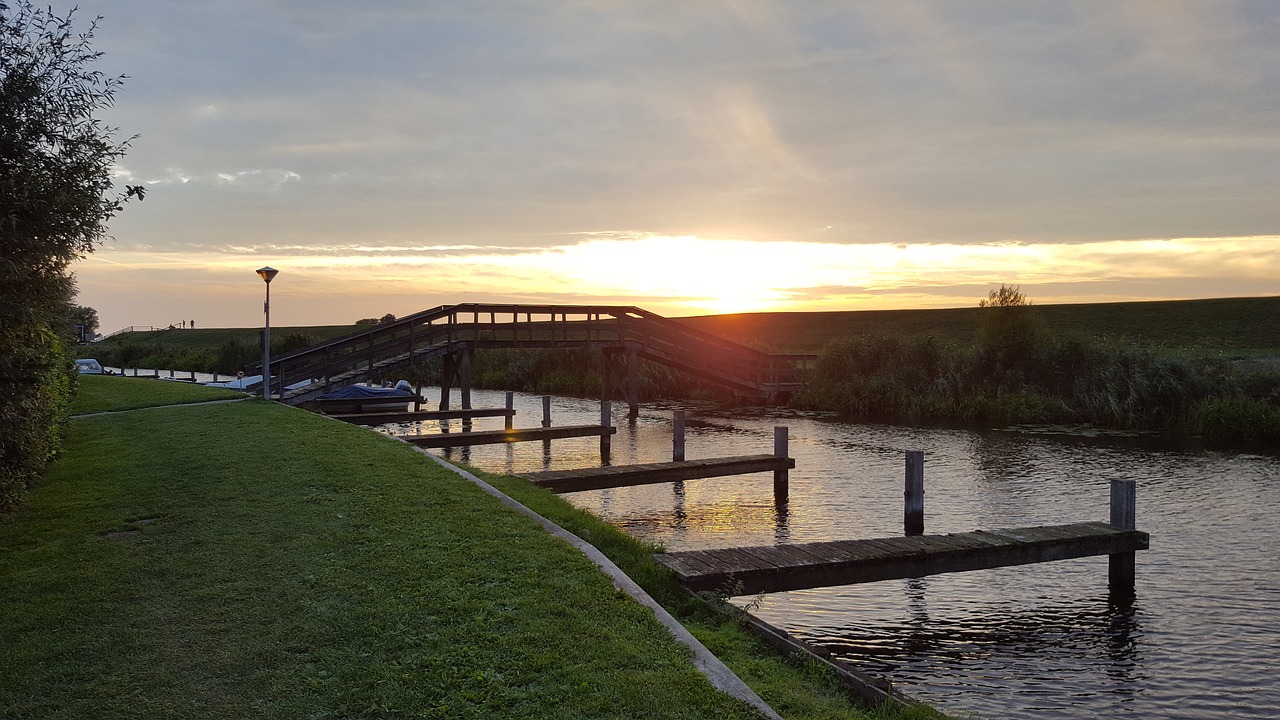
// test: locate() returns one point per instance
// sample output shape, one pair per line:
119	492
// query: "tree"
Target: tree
83	323
56	196
1008	330
1006	296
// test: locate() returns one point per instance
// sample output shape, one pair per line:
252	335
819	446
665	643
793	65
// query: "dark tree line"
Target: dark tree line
56	196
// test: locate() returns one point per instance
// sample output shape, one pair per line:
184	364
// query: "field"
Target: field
1238	326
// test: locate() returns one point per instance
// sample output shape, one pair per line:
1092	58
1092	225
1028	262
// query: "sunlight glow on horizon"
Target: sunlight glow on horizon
691	275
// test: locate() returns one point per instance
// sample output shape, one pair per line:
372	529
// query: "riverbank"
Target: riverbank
251	560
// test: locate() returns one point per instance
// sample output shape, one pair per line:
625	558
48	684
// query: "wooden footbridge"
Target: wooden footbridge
454	332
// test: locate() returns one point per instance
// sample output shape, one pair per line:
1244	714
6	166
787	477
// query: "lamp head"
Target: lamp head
267	273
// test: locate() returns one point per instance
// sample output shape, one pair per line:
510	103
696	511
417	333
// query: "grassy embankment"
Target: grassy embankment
1184	367
1194	366
1236	327
224	561
223	350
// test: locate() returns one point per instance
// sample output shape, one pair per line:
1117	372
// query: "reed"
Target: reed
1032	376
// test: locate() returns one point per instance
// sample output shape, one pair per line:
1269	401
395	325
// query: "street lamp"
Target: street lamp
266	273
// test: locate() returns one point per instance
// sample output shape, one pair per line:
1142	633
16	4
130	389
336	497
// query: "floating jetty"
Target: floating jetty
495	437
774	568
564	481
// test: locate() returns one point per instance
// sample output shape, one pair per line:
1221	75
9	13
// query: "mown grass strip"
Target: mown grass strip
794	687
103	393
249	560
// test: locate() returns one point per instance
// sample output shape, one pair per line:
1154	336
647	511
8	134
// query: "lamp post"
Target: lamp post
266	273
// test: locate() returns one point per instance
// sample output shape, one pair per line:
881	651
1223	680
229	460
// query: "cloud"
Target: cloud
332	125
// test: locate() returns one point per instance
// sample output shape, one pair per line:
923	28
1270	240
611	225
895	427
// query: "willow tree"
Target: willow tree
56	196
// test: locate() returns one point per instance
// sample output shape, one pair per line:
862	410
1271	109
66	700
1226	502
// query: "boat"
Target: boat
364	398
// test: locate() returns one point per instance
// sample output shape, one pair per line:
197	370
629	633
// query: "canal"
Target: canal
1039	641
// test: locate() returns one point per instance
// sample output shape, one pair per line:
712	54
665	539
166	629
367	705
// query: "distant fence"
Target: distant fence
141	328
184	375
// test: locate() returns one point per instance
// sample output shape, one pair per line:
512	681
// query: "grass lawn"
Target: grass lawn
252	560
99	393
1238	326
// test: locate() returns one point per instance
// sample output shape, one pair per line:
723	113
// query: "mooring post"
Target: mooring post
913	507
1124	516
417	397
677	436
606	425
546	411
782	476
511	409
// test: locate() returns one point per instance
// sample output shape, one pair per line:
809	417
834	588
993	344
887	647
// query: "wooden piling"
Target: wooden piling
633	382
913	505
606	435
464	377
546	411
677	436
511	410
1124	516
781	477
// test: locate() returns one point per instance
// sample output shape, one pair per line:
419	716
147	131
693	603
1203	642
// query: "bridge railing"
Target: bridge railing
377	349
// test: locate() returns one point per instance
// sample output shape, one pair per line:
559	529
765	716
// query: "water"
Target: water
1039	641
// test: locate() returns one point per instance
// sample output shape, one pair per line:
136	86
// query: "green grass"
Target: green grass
793	687
209	339
252	560
98	393
1242	325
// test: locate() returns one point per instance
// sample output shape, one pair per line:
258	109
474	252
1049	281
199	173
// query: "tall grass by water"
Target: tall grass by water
1018	371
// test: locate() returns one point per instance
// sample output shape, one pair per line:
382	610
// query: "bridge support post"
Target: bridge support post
606	424
781	478
1124	516
633	383
448	371
464	379
913	504
677	436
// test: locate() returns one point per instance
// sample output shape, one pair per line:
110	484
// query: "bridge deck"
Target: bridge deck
774	568
598	478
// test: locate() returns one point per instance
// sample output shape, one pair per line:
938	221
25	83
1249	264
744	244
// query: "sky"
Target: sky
687	157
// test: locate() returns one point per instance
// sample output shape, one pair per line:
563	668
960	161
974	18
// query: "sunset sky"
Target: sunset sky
687	157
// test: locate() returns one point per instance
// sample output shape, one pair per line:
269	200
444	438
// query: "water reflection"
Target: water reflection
1044	641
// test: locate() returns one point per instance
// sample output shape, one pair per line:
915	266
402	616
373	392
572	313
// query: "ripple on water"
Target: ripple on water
1200	640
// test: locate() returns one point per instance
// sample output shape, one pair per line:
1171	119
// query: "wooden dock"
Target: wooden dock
774	568
563	481
414	416
494	437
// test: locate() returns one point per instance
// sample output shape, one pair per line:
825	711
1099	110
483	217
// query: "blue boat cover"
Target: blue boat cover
362	392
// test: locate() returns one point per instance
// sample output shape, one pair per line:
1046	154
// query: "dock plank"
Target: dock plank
493	437
751	570
382	418
563	481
